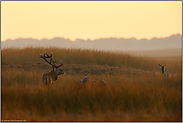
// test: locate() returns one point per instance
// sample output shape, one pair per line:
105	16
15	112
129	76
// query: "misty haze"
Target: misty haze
162	46
173	41
91	61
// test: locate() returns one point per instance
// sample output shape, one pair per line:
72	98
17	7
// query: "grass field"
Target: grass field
136	90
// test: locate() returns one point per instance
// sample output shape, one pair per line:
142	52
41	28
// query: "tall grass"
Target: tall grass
123	94
135	91
91	57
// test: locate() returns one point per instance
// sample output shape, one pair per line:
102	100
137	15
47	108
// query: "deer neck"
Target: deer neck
54	75
163	70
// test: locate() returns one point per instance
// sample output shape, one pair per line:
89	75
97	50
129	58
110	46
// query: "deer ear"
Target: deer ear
160	66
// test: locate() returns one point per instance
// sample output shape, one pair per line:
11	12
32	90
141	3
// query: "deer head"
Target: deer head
162	68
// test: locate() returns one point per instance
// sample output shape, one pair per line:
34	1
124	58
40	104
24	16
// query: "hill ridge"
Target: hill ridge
173	41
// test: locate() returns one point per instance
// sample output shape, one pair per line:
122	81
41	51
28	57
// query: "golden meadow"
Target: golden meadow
136	90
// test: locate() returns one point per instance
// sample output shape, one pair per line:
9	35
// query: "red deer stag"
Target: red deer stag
52	76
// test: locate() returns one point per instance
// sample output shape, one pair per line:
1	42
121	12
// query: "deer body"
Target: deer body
52	76
87	80
84	80
167	74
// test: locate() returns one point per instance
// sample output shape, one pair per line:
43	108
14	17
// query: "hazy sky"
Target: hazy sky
90	19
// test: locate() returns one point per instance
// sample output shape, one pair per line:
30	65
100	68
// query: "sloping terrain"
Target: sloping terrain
135	91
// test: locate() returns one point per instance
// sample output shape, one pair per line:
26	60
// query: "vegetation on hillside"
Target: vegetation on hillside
136	90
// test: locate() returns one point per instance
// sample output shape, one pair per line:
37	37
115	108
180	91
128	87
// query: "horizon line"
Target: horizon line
88	38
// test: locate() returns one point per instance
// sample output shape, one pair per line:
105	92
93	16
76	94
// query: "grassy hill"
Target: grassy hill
136	90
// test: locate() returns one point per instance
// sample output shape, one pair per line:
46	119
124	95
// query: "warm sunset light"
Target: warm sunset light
90	19
91	61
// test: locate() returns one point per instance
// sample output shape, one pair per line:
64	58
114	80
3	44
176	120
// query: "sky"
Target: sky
90	19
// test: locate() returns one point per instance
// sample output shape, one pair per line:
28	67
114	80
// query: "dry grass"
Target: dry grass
133	93
92	57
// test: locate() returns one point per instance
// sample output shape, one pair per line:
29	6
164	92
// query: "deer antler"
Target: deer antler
51	60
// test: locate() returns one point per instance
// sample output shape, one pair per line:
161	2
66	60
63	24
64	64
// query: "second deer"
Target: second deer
167	74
